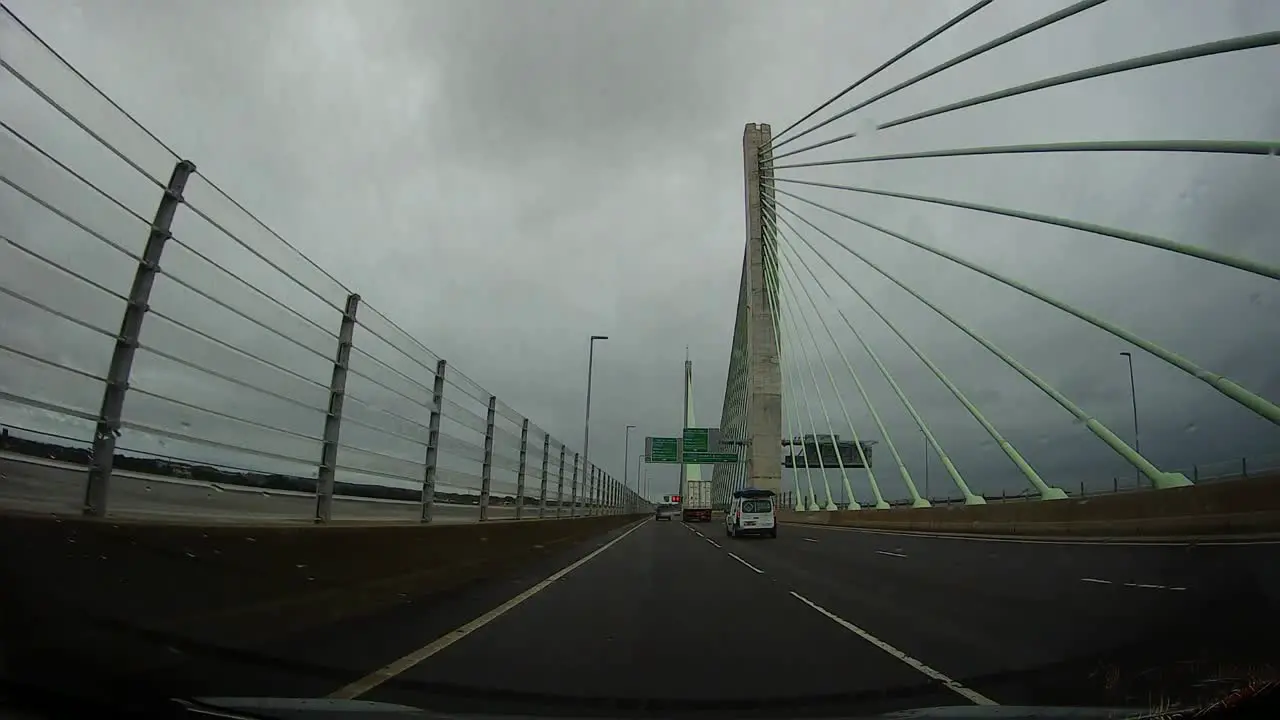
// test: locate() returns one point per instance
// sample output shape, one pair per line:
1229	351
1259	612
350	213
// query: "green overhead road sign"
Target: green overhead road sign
662	450
697	440
709	458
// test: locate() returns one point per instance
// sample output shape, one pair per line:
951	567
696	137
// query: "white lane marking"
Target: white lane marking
1144	586
973	696
380	676
744	562
812	540
890	554
713	542
1111	541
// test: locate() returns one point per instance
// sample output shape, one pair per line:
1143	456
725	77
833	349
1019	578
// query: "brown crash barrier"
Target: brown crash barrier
1245	506
82	596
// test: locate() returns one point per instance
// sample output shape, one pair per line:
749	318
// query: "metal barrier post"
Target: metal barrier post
560	483
333	417
144	278
589	495
524	453
542	493
486	470
433	443
573	497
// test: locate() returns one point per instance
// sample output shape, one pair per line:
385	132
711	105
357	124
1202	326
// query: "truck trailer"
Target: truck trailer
696	503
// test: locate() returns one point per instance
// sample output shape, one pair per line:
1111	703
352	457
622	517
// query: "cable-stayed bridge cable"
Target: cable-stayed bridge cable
956	20
1199	253
844	474
1005	39
1209	49
802	353
875	358
912	491
1158	478
1046	492
1250	400
771	279
1208	147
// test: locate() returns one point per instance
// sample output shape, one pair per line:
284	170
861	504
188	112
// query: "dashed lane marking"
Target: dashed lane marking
1142	586
744	562
969	694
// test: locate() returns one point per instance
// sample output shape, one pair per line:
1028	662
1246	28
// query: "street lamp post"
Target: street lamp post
1133	394
586	423
626	466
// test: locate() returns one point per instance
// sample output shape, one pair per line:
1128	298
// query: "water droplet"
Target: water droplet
865	126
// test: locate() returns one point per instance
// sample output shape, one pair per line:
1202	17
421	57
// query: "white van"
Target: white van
751	512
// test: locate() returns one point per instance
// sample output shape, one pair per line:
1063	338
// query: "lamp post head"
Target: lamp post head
599	337
1126	353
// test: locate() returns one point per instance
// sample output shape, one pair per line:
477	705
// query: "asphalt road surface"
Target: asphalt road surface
59	487
671	617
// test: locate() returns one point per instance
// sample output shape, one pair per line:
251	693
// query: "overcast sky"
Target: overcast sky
504	179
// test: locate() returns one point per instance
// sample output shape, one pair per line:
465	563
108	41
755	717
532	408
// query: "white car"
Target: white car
751	512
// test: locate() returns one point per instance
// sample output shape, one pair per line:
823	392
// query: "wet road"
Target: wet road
674	617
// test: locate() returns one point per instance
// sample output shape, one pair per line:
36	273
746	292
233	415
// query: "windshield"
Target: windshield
509	357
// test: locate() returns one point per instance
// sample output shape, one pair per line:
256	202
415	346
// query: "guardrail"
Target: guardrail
152	321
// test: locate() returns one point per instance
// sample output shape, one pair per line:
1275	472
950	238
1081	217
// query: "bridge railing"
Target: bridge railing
155	327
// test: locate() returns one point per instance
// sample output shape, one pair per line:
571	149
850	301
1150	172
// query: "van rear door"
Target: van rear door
757	513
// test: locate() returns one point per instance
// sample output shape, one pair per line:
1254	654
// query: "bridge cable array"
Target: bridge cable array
790	237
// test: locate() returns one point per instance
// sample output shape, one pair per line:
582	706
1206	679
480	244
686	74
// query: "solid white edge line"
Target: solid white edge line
381	675
890	554
744	562
973	696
